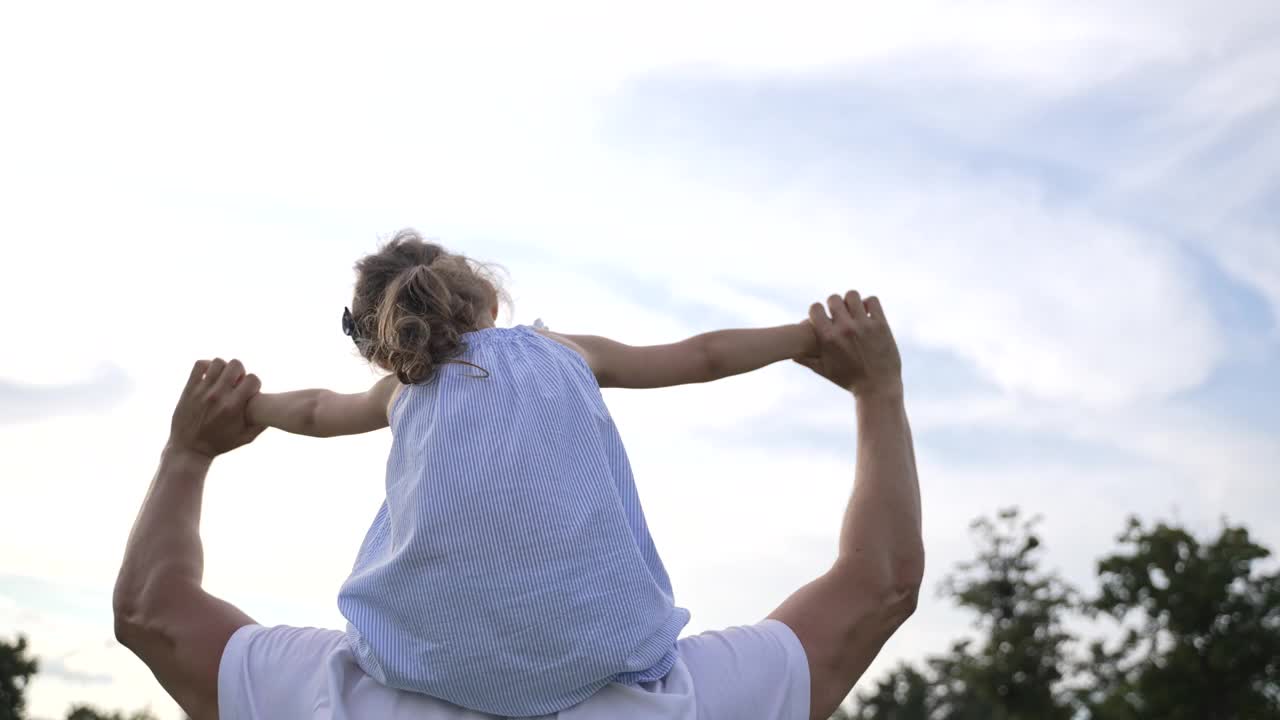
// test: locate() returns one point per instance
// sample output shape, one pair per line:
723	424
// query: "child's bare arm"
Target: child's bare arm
324	413
701	358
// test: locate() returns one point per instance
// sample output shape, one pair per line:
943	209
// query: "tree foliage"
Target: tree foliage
16	669
904	693
1199	634
1202	628
85	712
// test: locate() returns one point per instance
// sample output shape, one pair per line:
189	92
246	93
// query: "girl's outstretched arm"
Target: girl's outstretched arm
324	413
701	358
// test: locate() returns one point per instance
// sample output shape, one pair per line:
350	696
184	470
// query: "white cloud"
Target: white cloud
1254	257
24	400
1048	300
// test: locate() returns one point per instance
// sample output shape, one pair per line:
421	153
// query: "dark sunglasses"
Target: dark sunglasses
349	326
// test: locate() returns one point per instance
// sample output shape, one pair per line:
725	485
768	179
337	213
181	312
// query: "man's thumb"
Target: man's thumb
252	432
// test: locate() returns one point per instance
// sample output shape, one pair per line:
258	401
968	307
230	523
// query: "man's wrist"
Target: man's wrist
179	456
887	392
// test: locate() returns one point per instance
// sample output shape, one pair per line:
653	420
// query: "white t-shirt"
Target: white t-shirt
755	672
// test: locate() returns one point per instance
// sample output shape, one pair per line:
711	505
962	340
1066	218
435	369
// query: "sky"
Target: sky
1071	212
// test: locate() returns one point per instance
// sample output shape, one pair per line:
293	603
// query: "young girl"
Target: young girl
510	569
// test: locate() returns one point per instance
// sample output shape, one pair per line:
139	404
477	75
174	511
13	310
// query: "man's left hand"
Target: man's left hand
210	416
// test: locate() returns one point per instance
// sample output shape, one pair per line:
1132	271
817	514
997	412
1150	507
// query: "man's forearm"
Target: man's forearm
164	546
733	352
882	525
844	617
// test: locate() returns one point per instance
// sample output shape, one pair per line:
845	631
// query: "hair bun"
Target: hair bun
418	301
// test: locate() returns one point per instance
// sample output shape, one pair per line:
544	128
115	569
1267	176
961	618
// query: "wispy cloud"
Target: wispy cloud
21	401
1045	295
57	668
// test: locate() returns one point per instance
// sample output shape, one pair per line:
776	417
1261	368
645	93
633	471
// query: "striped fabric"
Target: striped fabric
510	569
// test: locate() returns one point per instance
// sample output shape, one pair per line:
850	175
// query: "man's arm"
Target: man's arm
701	358
324	413
161	612
844	617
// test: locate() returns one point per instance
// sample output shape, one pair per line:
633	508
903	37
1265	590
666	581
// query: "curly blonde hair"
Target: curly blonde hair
413	302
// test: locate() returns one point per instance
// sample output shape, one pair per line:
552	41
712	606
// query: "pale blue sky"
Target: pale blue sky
1069	209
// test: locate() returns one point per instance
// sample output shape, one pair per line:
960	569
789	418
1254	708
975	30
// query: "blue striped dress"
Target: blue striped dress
510	569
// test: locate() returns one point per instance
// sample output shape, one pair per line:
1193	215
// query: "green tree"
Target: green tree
902	694
1015	668
1202	628
16	669
86	712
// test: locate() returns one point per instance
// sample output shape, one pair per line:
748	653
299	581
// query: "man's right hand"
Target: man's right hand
210	416
856	349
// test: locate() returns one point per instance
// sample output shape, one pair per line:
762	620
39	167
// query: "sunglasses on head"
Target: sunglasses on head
349	325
